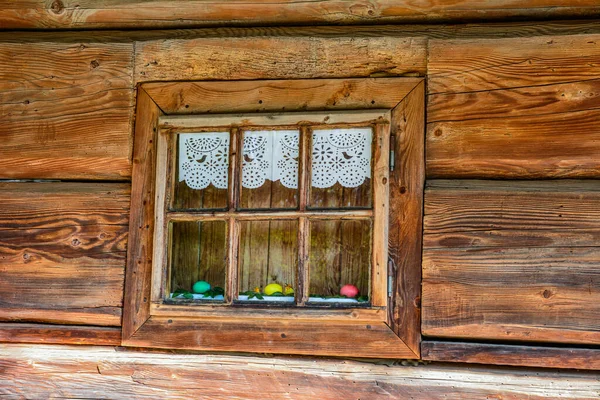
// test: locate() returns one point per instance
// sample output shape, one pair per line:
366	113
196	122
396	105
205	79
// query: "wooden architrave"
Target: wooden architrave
395	334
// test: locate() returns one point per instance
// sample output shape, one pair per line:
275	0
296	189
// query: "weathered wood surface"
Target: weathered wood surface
59	334
44	371
512	261
406	216
278	58
62	252
514	108
371	339
117	14
66	110
278	95
141	224
504	354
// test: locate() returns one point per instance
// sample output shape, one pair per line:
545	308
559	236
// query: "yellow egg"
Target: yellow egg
273	288
288	290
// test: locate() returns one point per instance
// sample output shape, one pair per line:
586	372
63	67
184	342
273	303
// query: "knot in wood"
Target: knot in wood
57	7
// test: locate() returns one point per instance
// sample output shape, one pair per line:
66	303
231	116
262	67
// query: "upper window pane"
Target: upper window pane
202	171
341	163
270	169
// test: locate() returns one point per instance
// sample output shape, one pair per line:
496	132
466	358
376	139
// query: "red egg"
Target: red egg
349	291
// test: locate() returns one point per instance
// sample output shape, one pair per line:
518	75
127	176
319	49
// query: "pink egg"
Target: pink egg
349	291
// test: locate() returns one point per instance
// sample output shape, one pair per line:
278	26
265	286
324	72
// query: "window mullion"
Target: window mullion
235	143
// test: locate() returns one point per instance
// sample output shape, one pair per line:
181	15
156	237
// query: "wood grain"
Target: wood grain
458	66
563	145
371	339
515	108
503	261
127	14
503	354
66	110
44	371
279	95
277	58
59	334
141	224
406	215
486	214
62	252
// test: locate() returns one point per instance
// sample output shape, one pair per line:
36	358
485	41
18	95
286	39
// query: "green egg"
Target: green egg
201	287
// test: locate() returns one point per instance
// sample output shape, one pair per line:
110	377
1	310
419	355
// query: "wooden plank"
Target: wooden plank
406	215
510	108
66	110
473	30
514	102
59	334
475	214
127	14
563	145
371	339
141	224
288	118
62	252
513	260
44	371
503	354
458	66
537	294
279	95
277	58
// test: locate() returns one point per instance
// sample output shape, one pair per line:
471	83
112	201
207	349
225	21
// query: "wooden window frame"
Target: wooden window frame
392	331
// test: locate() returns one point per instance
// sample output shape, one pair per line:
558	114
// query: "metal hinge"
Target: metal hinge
390	277
392	152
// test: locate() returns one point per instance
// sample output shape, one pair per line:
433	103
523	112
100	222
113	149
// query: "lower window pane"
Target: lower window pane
198	259
268	260
340	261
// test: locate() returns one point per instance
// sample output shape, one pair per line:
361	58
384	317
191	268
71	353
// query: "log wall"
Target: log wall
510	247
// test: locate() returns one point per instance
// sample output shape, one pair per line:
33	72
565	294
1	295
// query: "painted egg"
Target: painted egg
288	290
201	287
273	288
349	291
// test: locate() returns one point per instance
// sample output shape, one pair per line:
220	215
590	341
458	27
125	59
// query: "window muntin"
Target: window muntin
350	207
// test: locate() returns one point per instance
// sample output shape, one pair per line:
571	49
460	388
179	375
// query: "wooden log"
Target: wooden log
491	214
503	354
66	110
44	371
458	66
496	264
127	14
59	334
565	145
62	252
514	108
278	58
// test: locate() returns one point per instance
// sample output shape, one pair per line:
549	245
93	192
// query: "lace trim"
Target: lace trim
338	156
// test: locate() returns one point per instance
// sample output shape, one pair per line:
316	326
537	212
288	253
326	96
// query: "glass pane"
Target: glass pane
270	170
340	261
268	260
341	168
202	171
198	256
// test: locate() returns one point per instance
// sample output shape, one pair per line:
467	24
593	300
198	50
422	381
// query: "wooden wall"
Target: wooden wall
507	259
510	247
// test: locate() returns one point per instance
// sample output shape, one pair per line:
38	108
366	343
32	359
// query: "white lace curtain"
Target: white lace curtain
338	156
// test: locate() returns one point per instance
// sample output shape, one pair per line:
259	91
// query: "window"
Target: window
278	228
288	219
